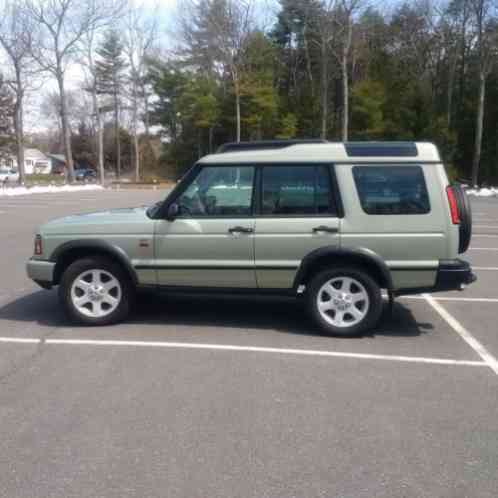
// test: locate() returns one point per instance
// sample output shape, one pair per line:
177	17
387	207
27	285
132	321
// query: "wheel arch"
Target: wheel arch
326	257
73	250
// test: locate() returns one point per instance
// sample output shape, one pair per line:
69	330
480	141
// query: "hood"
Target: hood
111	221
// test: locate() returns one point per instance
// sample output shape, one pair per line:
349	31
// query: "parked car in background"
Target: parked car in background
8	175
85	174
58	169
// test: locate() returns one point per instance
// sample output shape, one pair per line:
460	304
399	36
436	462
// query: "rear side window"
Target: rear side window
392	189
296	190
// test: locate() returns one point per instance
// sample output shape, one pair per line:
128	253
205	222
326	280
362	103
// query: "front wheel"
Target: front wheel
344	302
95	291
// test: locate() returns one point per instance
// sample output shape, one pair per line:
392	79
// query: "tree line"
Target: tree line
332	69
109	41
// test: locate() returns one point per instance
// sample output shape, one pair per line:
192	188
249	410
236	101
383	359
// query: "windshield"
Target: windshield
153	210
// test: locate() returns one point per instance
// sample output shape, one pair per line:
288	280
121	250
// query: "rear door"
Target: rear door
297	213
397	211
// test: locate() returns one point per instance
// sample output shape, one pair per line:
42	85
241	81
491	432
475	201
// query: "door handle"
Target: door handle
240	230
323	228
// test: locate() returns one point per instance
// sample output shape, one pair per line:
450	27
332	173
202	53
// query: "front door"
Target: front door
211	242
297	214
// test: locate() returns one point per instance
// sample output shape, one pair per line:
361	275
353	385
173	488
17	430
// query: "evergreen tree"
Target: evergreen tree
168	83
413	75
6	119
111	81
259	95
200	104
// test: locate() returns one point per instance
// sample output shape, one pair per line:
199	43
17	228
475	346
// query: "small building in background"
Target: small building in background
35	162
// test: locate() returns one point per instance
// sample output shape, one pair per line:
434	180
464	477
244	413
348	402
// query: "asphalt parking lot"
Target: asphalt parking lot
218	397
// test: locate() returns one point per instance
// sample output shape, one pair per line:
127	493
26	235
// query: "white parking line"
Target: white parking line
484	236
24	205
20	340
462	299
485	268
250	349
488	358
26	202
485	226
483	249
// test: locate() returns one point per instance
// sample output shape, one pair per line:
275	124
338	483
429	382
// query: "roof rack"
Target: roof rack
265	144
353	149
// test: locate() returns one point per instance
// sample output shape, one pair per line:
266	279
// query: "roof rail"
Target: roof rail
265	144
381	149
353	149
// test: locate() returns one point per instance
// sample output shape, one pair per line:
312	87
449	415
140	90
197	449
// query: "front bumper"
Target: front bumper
452	274
42	272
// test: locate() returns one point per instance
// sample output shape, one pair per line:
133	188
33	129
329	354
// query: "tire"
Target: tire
104	290
465	215
357	317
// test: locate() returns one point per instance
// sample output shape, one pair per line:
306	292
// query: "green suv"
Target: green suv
331	223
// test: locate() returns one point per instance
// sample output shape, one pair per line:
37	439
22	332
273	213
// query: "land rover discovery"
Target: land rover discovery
333	224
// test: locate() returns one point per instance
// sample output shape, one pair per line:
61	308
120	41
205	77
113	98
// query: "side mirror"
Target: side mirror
173	210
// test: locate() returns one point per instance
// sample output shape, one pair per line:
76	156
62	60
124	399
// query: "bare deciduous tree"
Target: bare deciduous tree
325	22
347	10
63	23
218	30
322	18
50	109
486	35
334	21
16	37
88	59
139	35
88	47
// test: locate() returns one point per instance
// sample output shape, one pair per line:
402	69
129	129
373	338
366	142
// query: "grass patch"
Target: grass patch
45	179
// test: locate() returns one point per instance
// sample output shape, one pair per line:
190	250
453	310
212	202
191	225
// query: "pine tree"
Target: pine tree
111	80
201	106
259	96
6	119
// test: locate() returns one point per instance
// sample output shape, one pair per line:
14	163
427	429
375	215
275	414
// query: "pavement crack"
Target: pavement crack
29	360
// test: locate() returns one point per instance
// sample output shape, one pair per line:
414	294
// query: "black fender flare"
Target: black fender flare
101	246
360	255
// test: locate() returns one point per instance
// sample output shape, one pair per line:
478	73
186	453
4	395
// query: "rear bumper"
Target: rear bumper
42	272
452	274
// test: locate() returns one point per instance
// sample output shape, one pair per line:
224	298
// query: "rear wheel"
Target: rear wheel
344	302
96	291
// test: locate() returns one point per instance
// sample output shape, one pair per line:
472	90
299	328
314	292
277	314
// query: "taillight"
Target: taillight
38	246
455	217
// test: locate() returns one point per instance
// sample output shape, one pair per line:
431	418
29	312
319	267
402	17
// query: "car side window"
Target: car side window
296	190
219	191
392	189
